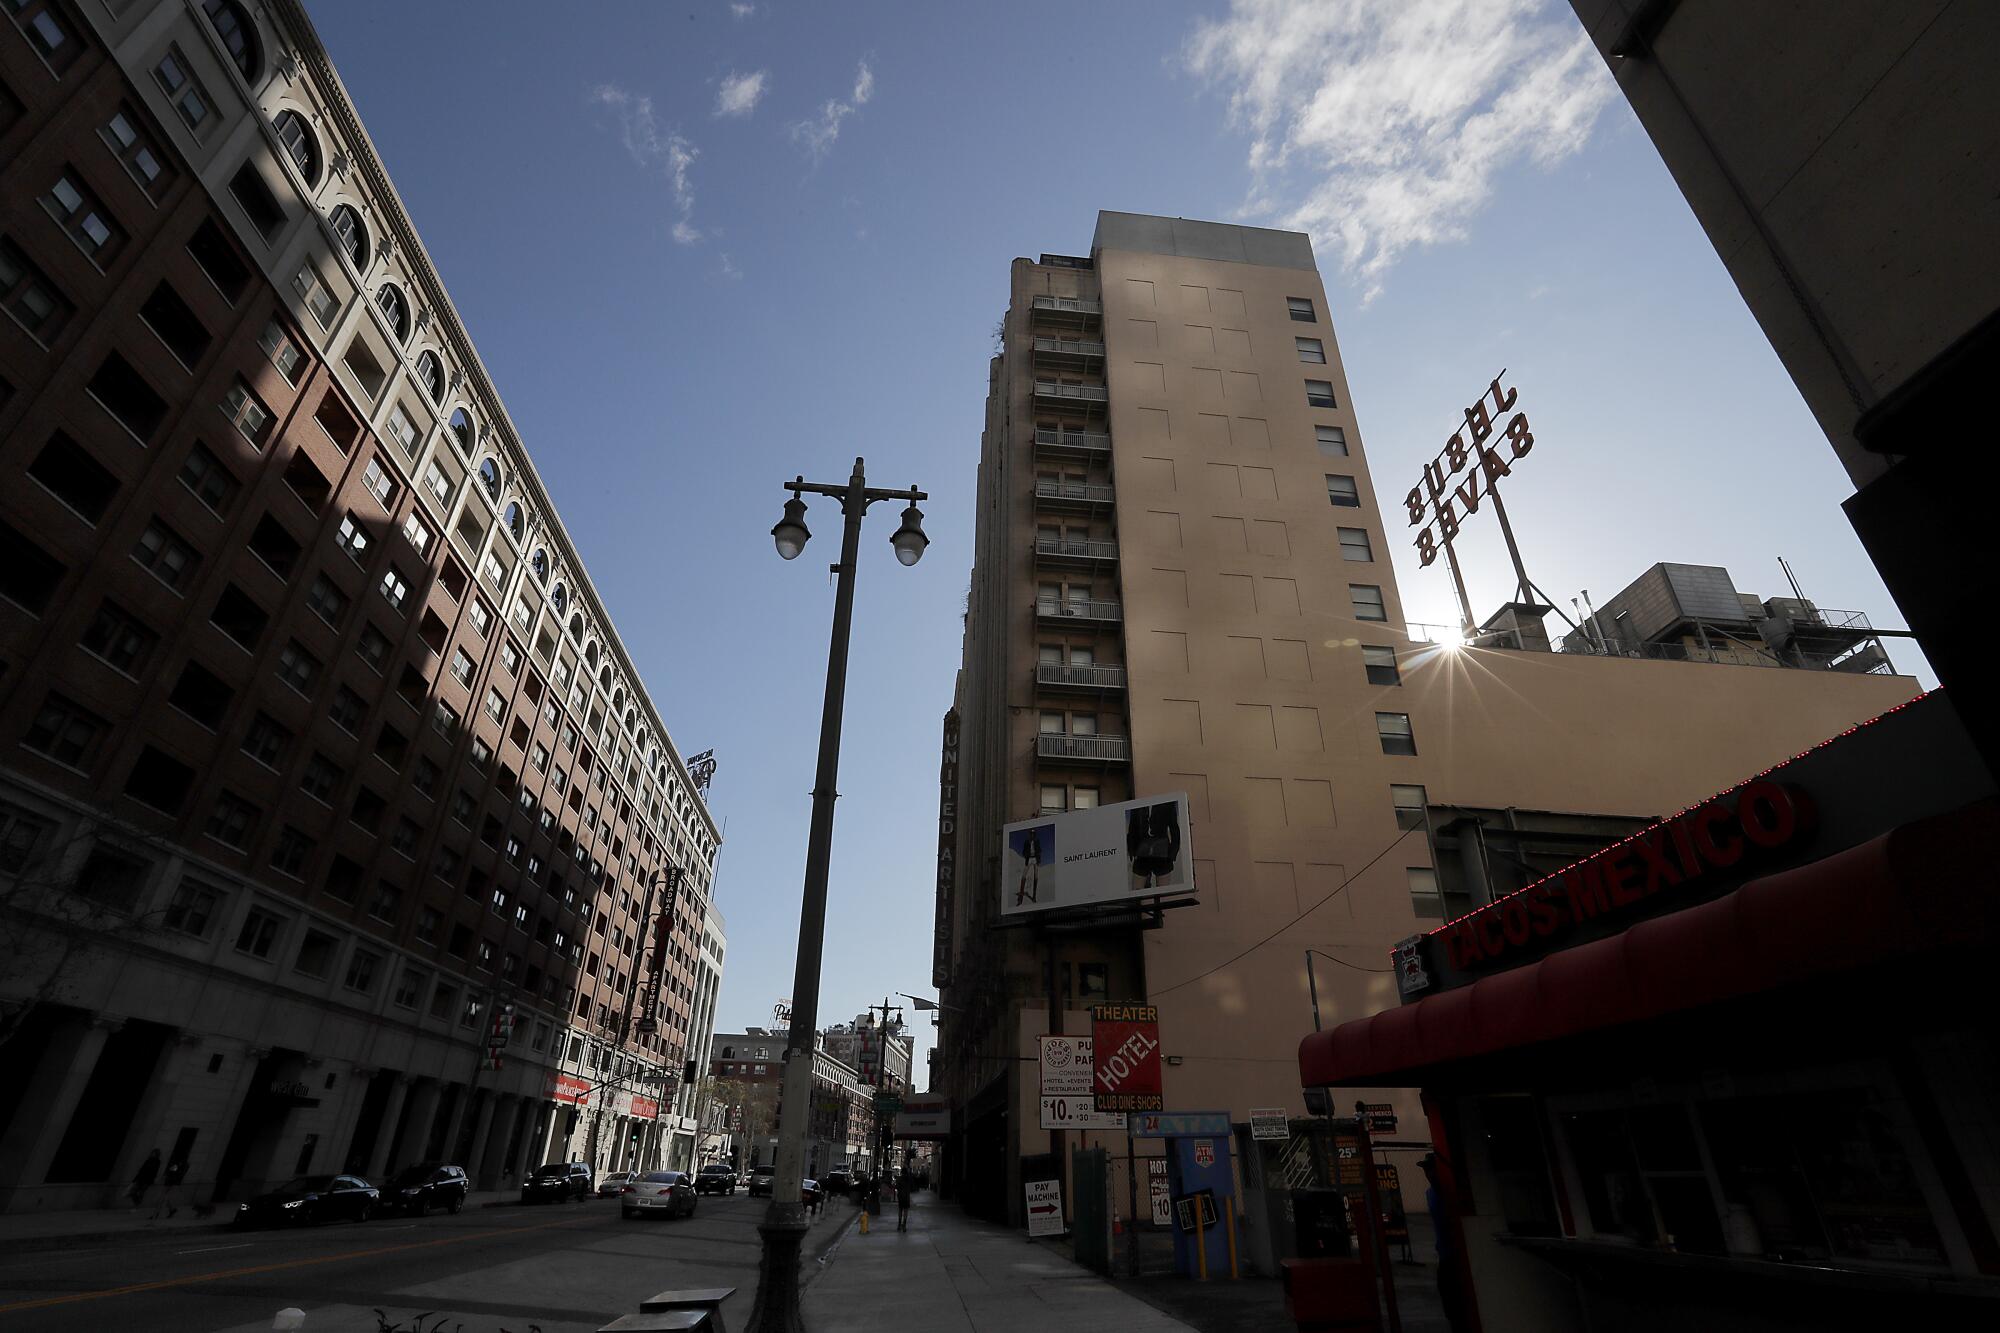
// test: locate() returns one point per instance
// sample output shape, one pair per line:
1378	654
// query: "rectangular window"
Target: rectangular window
496	706
315	956
481	617
259	932
260	206
321	778
29	296
190	100
218	258
191	911
1367	599
232	820
362	968
248	414
1332	441
118	637
379	483
1319	393
47	31
445	719
177	326
159	780
297	667
135	148
404	432
210	480
428	921
1409	800
1313	353
1301	308
88	223
1394	729
65	731
70	474
1424	899
283	349
462	667
417	533
366	369
124	393
352	538
425	778
1342	492
410	988
1380	663
374	647
268	741
1354	546
289	856
347	710
202	695
161	550
274	544
438	484
319	298
395	587
238	615
328	602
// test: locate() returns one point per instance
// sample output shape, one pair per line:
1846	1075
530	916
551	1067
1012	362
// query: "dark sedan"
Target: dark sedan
715	1178
559	1181
312	1199
418	1189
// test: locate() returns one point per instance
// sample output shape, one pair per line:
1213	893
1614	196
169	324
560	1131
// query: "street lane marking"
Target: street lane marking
73	1298
211	1249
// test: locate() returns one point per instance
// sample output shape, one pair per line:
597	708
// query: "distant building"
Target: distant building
860	1044
749	1067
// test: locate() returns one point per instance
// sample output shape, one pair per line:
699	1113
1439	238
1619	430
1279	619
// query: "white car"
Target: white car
614	1183
660	1192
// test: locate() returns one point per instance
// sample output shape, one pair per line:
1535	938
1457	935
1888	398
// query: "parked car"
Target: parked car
716	1178
312	1199
614	1183
418	1189
669	1192
761	1178
837	1181
558	1181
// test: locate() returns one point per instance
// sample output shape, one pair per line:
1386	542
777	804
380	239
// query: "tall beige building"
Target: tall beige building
1182	583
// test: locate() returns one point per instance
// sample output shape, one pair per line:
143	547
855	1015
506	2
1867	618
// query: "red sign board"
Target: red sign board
1125	1041
645	1108
570	1088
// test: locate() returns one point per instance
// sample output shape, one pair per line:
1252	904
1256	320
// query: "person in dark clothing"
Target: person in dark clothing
905	1187
1153	842
170	1181
142	1180
1450	1273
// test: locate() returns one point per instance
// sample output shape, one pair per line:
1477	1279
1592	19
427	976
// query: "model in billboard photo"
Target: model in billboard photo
1034	846
1153	842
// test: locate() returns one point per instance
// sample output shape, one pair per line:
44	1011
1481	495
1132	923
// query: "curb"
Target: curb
37	1244
825	1257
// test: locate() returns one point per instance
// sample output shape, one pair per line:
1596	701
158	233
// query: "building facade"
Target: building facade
1181	584
749	1069
859	1045
322	769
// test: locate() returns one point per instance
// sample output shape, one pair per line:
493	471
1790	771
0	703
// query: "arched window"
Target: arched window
238	34
352	234
300	145
560	597
516	524
576	627
618	702
489	478
631	718
389	300
590	653
462	430
539	562
604	676
431	371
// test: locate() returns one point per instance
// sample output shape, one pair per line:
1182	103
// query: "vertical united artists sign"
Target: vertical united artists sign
947	868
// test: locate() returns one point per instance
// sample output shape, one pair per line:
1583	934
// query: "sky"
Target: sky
705	246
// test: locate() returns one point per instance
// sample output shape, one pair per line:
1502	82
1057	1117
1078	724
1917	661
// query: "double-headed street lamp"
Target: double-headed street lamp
785	1223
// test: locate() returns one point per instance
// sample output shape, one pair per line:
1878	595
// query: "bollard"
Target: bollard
864	1221
288	1320
1229	1220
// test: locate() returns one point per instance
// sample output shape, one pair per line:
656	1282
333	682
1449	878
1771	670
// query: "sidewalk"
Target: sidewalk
49	1231
950	1273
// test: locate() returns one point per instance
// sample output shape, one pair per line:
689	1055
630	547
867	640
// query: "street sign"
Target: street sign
1078	1113
888	1103
1045	1210
1158	1192
1196	1210
1380	1116
1125	1044
1270	1122
1066	1067
924	1118
1180	1124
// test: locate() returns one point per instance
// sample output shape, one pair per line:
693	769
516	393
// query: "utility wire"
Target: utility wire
1339	889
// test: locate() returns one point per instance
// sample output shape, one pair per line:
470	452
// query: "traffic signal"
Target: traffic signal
569	1122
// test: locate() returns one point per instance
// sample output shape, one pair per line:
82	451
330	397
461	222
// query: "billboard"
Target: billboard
924	1117
1131	851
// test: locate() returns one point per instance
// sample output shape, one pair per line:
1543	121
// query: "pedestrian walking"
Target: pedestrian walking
142	1180
171	1180
1452	1294
905	1187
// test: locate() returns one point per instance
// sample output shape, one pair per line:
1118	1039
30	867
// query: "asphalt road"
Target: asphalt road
563	1267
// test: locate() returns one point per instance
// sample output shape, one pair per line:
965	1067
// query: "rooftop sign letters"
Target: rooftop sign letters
1680	856
1481	455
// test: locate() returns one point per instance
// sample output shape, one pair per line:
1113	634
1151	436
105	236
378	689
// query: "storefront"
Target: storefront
1740	1070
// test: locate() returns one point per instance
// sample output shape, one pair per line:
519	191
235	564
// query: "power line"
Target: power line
1337	890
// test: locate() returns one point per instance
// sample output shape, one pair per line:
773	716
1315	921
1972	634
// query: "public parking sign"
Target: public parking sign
1125	1047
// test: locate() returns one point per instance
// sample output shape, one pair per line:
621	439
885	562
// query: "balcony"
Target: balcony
1071	311
1080	614
1075	497
1084	749
1056	442
1075	676
1051	396
1069	353
1076	550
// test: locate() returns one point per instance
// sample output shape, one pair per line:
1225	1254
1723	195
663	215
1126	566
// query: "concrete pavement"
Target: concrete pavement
950	1273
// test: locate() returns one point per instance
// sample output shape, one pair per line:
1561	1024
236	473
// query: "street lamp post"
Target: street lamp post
785	1223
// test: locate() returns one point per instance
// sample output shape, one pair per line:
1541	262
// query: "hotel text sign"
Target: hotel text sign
947	865
1484	452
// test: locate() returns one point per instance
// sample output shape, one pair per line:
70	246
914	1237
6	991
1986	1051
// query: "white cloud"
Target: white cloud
1378	125
818	135
729	269
740	93
741	10
651	147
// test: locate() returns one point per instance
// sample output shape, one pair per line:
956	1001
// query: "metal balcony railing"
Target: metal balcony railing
1068	350
1084	394
1066	305
1097	749
1076	443
1076	548
1075	492
1069	675
1108	611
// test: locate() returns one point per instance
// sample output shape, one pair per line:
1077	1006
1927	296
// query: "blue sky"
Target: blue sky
706	246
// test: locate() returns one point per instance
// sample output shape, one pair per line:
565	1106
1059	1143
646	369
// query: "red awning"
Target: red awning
1929	884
